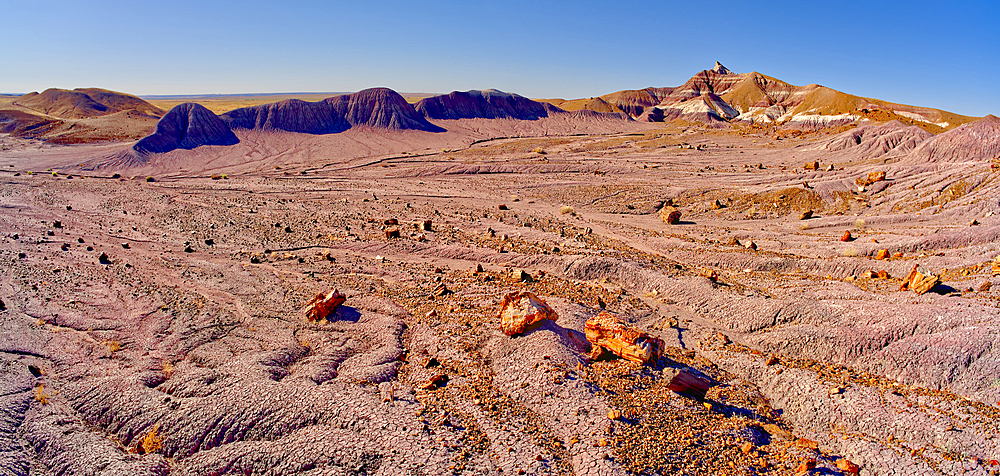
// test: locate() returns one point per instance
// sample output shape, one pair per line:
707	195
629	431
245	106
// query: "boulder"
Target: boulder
518	310
605	331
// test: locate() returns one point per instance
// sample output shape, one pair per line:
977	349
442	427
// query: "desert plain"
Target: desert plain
153	317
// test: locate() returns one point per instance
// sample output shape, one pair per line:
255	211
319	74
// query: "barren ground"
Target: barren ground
186	351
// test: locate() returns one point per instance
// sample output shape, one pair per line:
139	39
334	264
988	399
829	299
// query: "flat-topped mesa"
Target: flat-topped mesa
606	332
376	107
187	126
519	310
486	104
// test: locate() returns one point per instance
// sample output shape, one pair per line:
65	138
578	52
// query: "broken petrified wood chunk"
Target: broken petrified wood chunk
685	382
522	309
323	305
919	282
847	237
434	382
670	215
392	233
882	254
606	331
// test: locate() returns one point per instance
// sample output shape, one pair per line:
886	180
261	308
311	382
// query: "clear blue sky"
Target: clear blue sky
937	54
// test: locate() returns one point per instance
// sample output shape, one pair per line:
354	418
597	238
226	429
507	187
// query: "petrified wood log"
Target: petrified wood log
687	383
919	282
522	309
323	305
605	331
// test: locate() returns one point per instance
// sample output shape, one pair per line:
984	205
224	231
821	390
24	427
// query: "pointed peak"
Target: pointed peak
721	69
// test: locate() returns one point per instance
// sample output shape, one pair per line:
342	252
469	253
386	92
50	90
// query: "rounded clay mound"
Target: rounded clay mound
187	126
489	104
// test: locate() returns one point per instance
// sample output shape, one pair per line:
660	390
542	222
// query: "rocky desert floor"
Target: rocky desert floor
156	325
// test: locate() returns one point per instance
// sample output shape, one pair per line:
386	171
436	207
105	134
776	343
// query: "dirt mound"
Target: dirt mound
377	107
632	102
872	141
24	124
187	126
84	102
487	104
976	141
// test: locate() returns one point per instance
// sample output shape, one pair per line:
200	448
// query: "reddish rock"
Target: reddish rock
814	165
919	282
685	382
847	237
392	233
435	382
882	254
323	305
605	331
847	466
805	466
883	274
670	215
522	309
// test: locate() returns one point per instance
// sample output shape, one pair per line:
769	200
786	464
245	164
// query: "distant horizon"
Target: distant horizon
919	53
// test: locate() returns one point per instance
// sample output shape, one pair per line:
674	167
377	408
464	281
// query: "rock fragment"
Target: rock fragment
518	310
882	254
686	382
847	466
814	165
983	288
434	382
391	233
606	332
919	282
806	215
321	306
846	237
670	215
521	276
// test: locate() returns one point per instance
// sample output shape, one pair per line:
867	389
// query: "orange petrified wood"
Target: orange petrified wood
323	305
605	331
522	309
919	282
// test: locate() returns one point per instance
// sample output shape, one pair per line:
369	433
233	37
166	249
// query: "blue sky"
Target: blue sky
935	54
